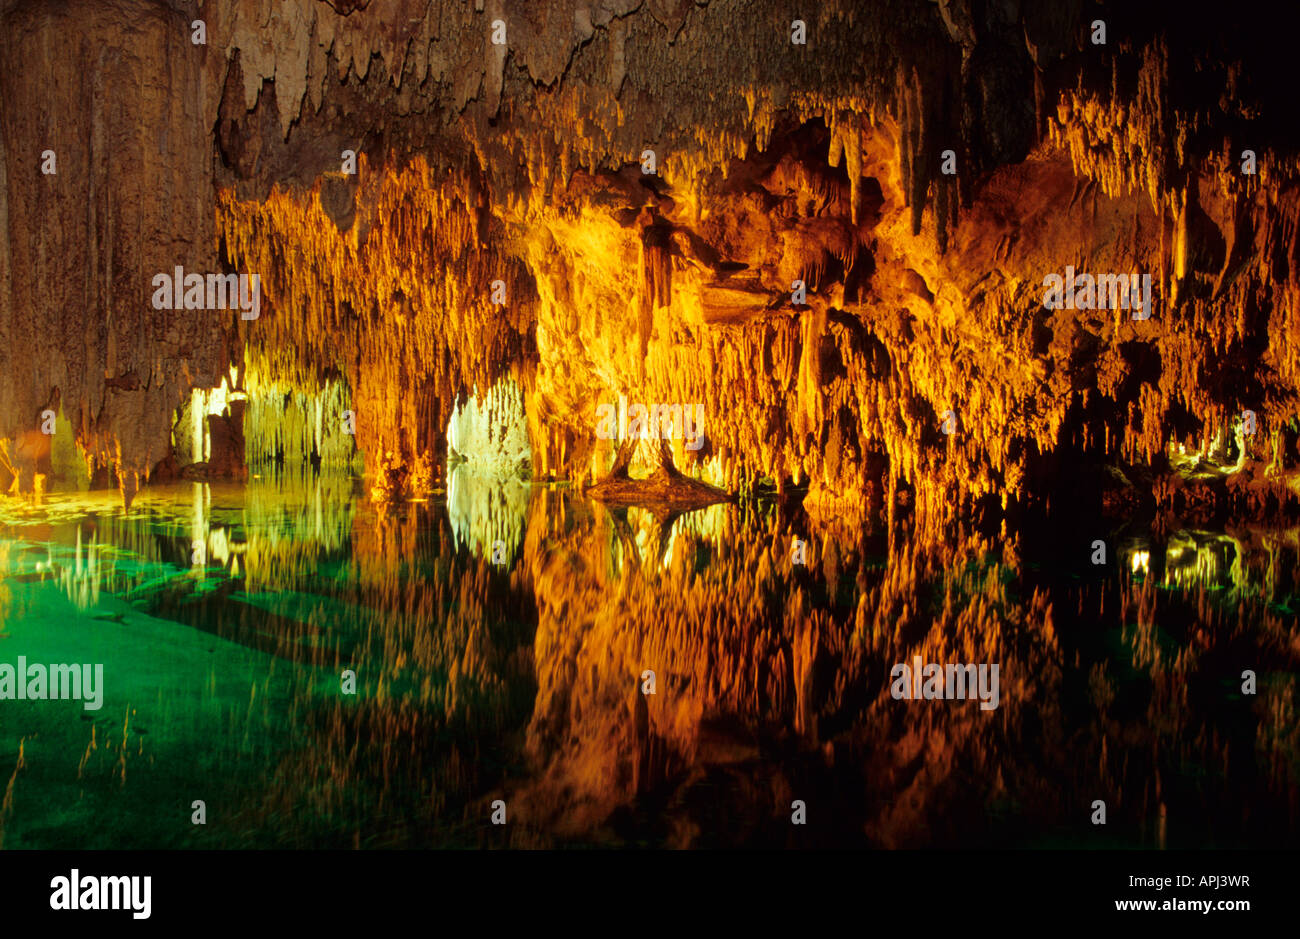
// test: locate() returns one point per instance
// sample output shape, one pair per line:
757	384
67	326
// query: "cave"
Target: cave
586	406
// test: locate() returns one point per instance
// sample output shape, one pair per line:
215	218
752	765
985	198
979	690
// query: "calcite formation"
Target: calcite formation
840	249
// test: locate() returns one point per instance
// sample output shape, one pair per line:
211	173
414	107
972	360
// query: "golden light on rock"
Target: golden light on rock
625	399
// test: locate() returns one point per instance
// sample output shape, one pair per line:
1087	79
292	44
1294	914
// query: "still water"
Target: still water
226	616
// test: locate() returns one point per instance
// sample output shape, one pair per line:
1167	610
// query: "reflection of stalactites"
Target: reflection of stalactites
488	454
202	497
487	512
650	536
805	654
1205	560
668	540
736	660
289	523
81	581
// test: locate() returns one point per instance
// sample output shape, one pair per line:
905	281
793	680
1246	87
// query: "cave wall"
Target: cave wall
117	93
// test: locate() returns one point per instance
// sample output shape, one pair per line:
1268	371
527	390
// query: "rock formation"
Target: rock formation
836	236
390	172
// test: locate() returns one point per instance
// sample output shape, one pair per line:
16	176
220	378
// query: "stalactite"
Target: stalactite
383	310
491	431
386	279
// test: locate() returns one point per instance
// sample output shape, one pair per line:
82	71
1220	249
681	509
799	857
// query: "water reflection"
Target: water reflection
1256	561
227	615
487	508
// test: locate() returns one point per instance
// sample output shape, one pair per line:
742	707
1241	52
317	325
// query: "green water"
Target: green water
225	618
